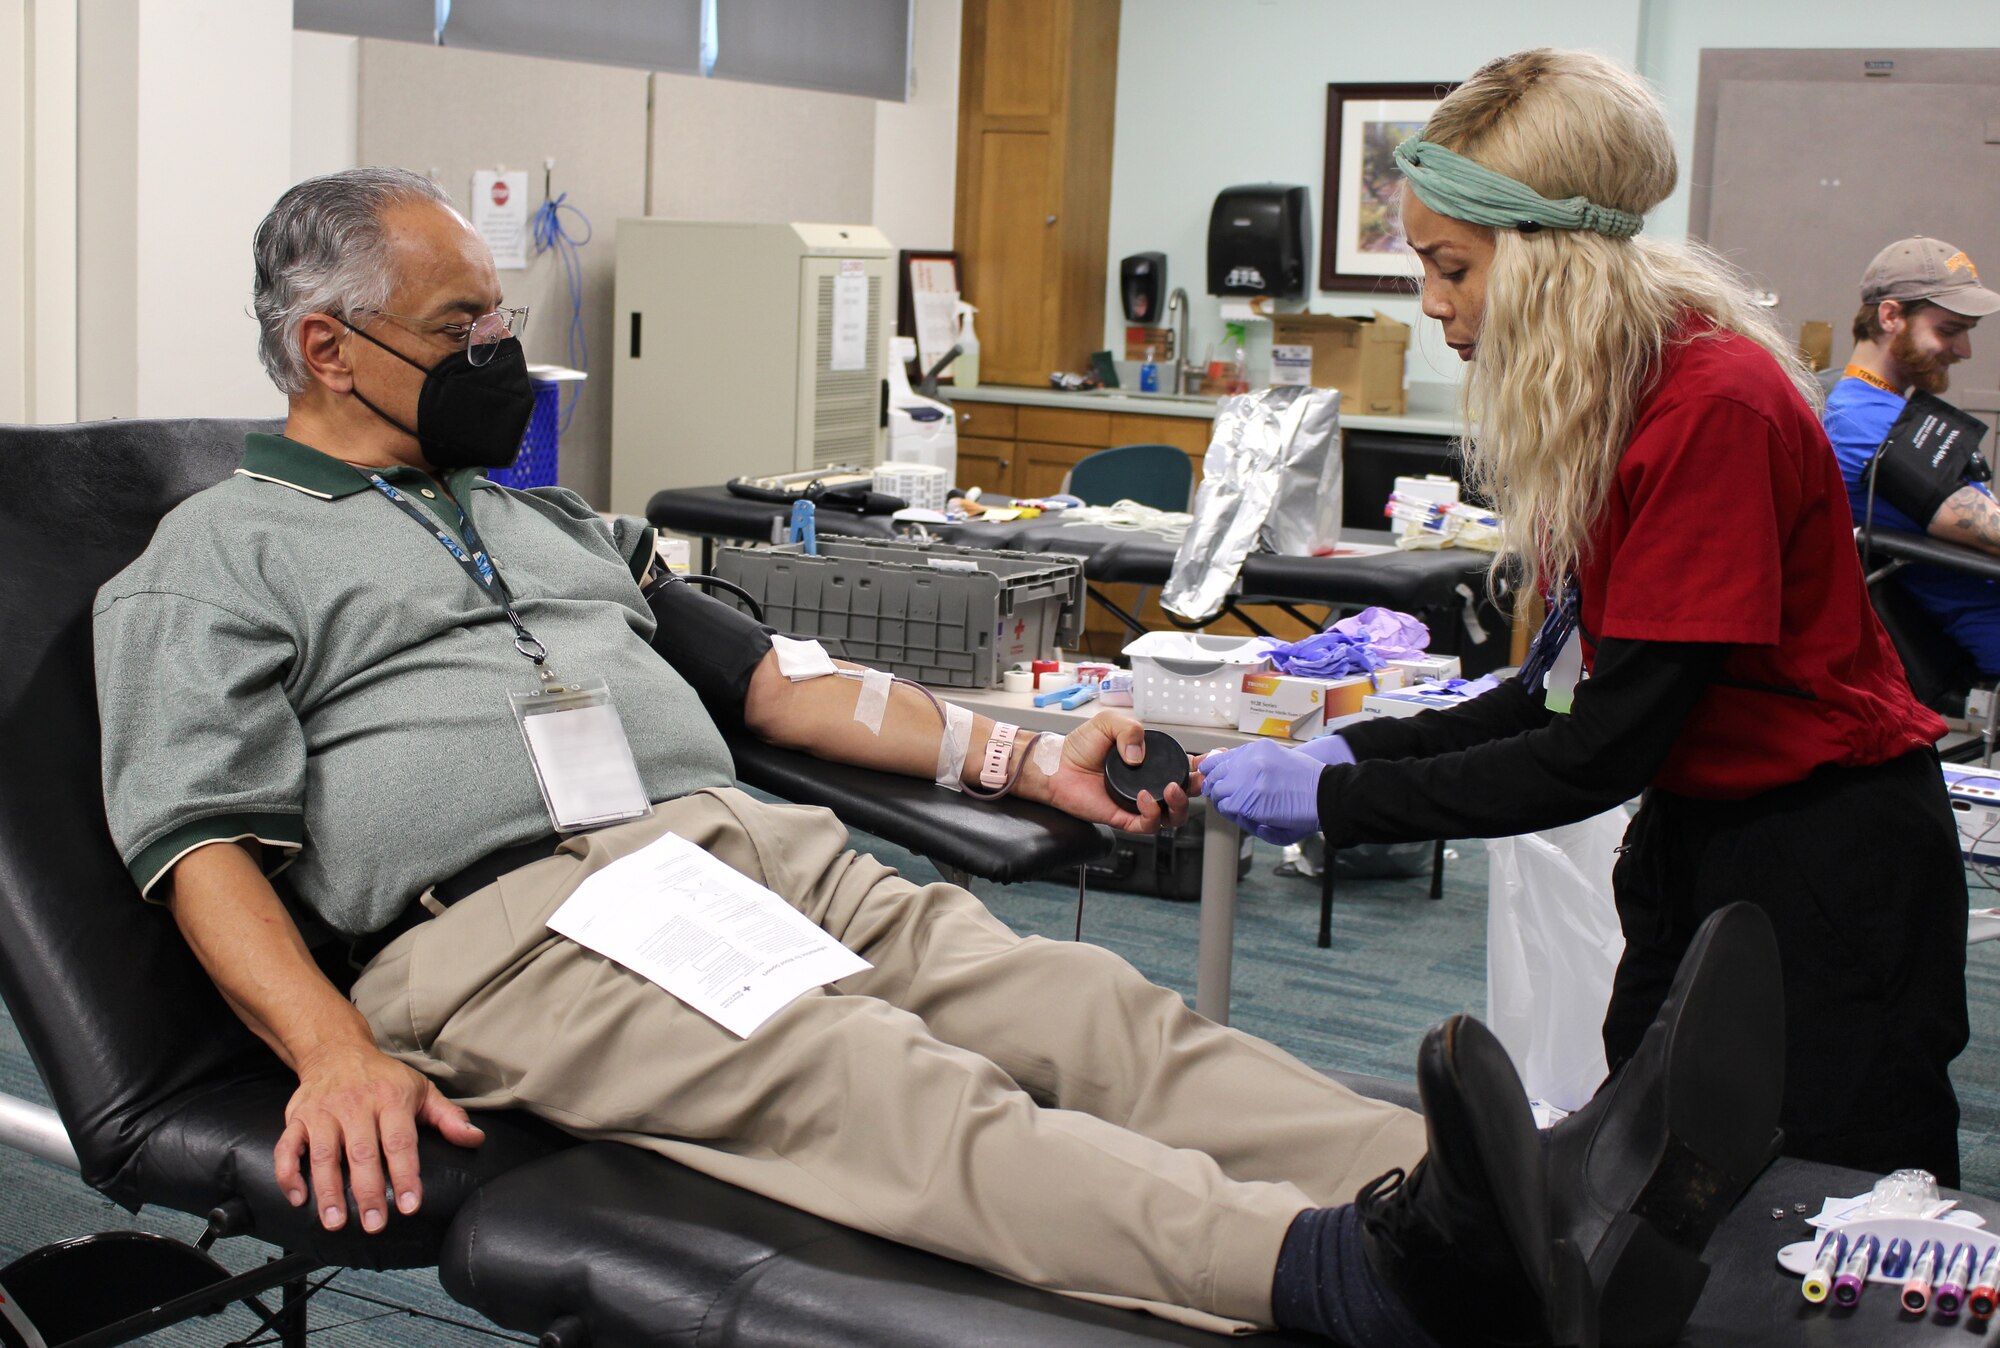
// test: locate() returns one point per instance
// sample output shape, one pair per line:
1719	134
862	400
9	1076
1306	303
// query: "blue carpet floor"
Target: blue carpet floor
1399	964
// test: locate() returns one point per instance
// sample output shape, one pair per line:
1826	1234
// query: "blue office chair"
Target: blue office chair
1159	476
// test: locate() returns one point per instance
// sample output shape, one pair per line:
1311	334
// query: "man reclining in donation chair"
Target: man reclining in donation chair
357	621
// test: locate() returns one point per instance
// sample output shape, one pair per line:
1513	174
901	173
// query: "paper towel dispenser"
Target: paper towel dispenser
1260	241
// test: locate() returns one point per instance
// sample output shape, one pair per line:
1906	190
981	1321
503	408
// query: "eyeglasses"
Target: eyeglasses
480	337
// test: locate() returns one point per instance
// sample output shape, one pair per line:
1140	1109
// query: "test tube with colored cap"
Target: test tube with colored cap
1985	1295
1854	1271
1923	1272
1957	1273
1832	1253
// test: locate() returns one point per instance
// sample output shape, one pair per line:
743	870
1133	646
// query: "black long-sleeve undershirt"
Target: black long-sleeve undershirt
1504	764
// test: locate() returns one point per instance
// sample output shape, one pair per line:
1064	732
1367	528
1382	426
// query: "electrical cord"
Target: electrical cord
1129	516
551	233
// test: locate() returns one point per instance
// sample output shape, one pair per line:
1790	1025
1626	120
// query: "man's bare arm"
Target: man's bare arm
817	716
1969	518
356	1108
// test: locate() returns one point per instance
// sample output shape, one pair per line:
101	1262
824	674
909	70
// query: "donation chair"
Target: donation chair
1941	673
163	1098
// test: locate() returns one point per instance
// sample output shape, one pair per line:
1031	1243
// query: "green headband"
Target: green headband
1453	185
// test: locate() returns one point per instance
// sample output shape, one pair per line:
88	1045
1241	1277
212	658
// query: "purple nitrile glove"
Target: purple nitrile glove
1271	791
1331	750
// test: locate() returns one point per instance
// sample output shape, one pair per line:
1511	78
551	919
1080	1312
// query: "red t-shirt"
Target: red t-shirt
1727	521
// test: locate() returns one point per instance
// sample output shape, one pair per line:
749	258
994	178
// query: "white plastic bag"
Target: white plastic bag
1552	944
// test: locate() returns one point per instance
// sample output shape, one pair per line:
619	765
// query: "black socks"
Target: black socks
1323	1286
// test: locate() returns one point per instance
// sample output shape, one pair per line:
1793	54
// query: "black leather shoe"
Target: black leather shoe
1640	1176
1464	1240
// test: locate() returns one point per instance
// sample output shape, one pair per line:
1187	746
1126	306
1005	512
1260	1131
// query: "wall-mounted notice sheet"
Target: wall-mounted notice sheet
716	939
500	214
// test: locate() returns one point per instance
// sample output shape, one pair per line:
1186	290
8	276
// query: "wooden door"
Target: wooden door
1037	91
1015	270
1806	166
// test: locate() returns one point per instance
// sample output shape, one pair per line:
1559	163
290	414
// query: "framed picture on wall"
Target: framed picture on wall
1361	236
927	306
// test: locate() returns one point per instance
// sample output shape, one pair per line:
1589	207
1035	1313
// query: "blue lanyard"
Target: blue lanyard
1548	642
475	564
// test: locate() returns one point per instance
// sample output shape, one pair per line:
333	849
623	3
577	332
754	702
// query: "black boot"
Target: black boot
1640	1176
1464	1240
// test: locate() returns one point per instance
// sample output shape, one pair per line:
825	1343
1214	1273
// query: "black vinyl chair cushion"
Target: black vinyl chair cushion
1939	669
654	1254
1004	840
218	1147
649	1255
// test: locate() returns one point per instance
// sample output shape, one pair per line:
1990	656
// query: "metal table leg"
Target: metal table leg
1220	841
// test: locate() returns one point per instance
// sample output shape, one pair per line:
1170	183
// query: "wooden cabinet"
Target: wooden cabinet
986	464
1021	450
1037	88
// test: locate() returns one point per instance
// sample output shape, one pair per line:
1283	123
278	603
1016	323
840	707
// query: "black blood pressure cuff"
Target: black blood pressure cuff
1931	451
713	645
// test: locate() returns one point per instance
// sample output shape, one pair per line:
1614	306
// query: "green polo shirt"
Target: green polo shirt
293	660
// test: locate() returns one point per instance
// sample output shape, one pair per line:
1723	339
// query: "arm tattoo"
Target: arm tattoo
1970	518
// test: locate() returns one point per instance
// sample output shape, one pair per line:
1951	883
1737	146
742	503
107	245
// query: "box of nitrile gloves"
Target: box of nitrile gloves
1975	808
1425	697
1293	707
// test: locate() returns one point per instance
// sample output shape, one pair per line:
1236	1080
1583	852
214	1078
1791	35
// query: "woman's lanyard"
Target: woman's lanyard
1554	660
475	564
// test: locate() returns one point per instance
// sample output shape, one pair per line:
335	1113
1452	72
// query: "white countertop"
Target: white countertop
1165	405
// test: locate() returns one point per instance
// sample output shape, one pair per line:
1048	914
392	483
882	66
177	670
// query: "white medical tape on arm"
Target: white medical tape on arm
799	660
1048	753
874	698
951	749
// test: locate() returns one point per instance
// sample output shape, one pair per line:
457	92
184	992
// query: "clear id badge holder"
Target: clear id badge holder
583	762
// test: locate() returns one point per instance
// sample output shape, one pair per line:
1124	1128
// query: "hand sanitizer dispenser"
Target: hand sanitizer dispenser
921	430
1260	241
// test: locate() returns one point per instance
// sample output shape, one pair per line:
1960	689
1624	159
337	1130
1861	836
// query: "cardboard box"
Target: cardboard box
1291	707
1429	668
1362	357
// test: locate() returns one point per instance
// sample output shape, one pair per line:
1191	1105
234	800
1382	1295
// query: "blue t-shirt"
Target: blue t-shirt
1858	418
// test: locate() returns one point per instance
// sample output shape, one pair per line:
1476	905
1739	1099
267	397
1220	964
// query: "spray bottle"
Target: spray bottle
1228	363
965	370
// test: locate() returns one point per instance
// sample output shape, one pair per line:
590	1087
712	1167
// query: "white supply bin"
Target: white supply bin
1185	678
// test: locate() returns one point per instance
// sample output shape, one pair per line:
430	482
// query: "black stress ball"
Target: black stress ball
1165	764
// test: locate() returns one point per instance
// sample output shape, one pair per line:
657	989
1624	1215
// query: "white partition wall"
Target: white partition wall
37	192
183	142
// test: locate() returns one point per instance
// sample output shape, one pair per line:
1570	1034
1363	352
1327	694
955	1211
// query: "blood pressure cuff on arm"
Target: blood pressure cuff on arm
714	646
1931	451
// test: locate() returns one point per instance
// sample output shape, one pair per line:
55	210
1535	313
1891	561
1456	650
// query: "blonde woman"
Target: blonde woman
1650	440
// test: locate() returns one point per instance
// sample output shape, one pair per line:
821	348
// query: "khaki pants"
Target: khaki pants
1033	1107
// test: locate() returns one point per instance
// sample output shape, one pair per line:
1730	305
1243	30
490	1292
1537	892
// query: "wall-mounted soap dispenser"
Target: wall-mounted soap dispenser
1142	284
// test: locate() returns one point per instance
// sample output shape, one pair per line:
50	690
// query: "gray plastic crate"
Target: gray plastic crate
927	611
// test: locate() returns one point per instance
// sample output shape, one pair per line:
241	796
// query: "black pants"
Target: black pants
1860	871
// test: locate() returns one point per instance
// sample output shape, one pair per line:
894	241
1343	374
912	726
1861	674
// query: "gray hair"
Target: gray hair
322	250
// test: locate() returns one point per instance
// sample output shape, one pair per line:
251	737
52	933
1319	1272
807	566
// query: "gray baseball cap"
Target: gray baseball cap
1928	269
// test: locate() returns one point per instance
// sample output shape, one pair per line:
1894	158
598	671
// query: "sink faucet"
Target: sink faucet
1177	319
